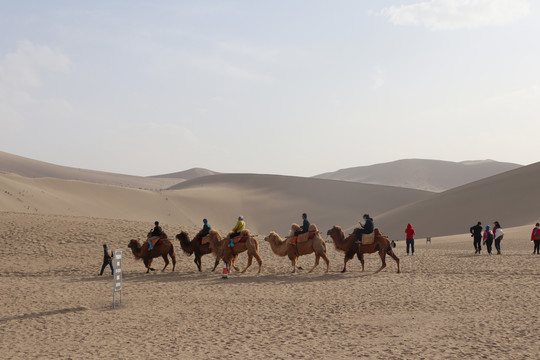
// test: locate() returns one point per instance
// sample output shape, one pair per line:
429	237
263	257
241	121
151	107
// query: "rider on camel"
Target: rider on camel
305	229
238	228
155	233
367	228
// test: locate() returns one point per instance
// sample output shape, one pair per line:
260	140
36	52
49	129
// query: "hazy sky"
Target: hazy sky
289	87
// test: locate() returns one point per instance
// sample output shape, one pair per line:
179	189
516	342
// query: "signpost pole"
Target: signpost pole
117	281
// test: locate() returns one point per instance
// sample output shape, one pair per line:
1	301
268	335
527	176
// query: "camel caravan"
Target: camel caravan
302	240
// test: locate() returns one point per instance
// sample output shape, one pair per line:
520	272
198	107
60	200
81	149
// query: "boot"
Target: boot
231	244
150	247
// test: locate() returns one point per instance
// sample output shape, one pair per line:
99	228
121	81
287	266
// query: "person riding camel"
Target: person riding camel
238	228
367	228
205	230
305	229
155	233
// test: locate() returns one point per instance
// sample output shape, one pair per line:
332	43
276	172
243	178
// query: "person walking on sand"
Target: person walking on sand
488	239
498	234
107	259
535	236
476	233
409	231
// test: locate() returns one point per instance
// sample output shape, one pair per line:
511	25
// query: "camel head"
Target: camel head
271	235
336	232
182	236
134	244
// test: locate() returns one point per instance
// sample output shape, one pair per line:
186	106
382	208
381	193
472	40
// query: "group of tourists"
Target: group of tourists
487	237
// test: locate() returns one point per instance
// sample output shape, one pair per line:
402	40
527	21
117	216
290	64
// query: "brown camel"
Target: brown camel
195	247
349	246
220	247
164	248
284	248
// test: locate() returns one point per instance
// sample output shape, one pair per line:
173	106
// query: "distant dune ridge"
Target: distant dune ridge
187	174
431	175
38	169
268	202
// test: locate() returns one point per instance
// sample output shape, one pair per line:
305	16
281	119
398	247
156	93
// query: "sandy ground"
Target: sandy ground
447	303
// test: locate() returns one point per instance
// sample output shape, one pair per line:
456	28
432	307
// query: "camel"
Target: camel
194	246
349	246
284	248
220	247
162	249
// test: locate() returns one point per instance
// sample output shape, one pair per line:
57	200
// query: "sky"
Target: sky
277	87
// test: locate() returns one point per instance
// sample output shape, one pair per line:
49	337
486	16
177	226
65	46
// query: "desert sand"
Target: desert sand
446	303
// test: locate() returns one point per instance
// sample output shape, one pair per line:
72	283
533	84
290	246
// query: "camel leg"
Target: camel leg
393	256
259	260
250	261
293	262
215	264
166	259
360	257
325	258
317	258
234	261
197	261
382	254
348	256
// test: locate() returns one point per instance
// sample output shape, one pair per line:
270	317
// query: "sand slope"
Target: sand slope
187	174
272	202
267	202
432	175
511	198
38	169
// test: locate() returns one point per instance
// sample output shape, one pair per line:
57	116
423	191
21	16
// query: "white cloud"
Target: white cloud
457	14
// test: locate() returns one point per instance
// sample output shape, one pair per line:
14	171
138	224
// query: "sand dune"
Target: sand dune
187	174
431	175
38	169
272	202
511	198
268	202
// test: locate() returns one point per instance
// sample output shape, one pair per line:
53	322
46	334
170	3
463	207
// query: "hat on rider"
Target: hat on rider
240	217
304	215
205	221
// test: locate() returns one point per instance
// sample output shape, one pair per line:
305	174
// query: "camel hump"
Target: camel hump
377	232
313	228
295	227
245	233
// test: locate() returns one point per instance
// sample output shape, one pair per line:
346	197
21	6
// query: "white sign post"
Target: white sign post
117	285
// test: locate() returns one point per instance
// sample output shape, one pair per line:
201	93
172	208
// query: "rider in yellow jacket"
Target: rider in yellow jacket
238	228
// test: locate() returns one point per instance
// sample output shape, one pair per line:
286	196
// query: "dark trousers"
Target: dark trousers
477	242
488	245
410	243
536	247
105	263
498	244
300	232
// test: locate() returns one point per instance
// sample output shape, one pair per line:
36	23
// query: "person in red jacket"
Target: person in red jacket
409	231
535	236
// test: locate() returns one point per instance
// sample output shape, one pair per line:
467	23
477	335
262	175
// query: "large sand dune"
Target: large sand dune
268	202
432	175
511	198
29	168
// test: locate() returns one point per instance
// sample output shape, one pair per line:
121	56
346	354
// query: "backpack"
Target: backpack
489	236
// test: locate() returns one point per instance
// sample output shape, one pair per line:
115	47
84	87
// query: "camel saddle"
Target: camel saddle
159	240
368	239
240	238
306	236
205	240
